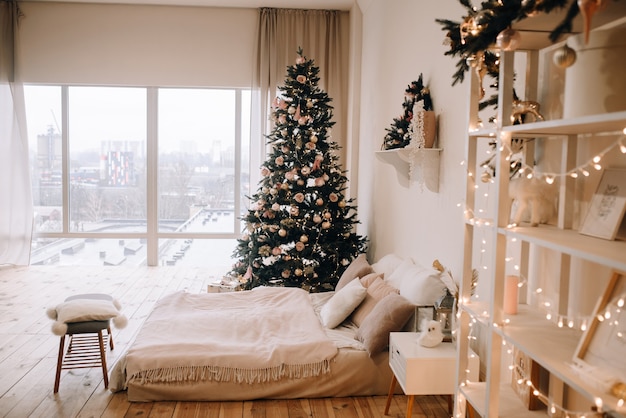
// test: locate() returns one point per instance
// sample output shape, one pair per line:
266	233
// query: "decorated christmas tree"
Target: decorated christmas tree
399	133
300	225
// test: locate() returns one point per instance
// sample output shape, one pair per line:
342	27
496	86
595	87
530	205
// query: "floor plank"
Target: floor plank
28	352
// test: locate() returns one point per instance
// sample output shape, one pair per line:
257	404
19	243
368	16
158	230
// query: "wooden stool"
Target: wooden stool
87	344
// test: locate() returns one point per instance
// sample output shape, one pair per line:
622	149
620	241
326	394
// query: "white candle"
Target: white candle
510	294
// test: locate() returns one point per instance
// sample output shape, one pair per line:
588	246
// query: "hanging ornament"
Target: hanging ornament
564	57
481	20
587	9
529	7
508	39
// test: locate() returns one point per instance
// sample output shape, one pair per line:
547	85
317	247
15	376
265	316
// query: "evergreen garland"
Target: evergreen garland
399	134
299	228
478	30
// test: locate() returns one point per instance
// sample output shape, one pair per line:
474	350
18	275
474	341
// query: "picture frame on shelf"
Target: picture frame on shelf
524	369
600	352
607	206
423	312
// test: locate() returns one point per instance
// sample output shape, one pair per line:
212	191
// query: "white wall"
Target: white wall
401	40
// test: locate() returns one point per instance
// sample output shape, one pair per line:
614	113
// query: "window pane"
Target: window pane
196	131
244	201
215	253
107	143
89	252
43	118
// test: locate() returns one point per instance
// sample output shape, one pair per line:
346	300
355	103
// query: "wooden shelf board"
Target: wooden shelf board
597	250
608	122
511	405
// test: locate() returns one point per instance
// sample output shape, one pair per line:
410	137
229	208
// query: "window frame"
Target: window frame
152	235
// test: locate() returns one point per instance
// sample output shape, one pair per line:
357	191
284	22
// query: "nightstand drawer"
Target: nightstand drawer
423	370
397	363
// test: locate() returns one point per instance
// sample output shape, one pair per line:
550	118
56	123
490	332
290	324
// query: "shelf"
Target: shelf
597	250
478	310
415	164
511	405
482	133
592	124
554	349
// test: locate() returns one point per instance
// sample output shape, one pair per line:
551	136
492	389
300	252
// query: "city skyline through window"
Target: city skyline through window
96	162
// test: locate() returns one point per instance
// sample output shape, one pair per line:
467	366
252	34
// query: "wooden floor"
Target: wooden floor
28	352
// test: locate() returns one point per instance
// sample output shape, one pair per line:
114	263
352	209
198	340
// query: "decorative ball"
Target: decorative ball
508	40
298	272
282	232
564	57
304	238
483	18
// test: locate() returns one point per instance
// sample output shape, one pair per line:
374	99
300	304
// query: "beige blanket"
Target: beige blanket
261	335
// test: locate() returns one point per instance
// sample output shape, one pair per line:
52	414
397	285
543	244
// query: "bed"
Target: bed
269	342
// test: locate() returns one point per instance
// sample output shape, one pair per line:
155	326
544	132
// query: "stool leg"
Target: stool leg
110	337
59	364
103	358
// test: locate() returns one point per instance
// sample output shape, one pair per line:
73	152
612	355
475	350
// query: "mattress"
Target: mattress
351	372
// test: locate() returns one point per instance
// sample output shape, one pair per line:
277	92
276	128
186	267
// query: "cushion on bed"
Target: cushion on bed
375	292
389	315
368	279
387	264
418	284
342	303
358	268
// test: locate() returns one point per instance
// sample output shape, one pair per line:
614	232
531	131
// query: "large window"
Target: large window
128	175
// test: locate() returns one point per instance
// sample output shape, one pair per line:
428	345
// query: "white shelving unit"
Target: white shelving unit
530	331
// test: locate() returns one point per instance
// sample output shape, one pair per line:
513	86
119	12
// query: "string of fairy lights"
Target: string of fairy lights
609	315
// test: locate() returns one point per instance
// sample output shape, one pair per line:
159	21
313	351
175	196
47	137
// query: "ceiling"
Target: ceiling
289	4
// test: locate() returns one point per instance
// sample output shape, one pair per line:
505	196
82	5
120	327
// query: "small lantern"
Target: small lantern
443	314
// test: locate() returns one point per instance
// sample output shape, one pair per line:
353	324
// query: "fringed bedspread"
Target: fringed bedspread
261	335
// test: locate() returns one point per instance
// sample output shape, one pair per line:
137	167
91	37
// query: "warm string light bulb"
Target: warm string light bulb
594	163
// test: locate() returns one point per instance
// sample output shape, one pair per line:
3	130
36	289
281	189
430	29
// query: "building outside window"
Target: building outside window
137	176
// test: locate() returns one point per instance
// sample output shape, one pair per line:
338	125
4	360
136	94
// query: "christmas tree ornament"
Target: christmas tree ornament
564	57
587	9
508	40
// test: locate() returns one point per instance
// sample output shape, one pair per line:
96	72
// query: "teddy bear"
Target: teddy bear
431	334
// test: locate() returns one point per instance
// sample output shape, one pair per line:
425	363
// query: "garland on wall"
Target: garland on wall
481	28
399	134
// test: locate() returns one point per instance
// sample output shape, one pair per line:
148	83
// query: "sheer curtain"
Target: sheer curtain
16	204
323	36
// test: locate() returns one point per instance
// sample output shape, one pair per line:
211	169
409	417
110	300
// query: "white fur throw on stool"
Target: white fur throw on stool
80	310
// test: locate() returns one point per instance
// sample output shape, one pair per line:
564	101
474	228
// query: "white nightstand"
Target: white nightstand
422	370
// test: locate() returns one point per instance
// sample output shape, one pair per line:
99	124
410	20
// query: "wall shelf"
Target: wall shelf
421	165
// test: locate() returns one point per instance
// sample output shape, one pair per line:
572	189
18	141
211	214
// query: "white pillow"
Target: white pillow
342	303
387	264
405	270
422	286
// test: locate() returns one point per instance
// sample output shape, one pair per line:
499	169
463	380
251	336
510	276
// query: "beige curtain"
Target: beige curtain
16	204
323	36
